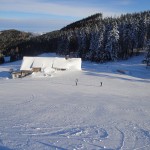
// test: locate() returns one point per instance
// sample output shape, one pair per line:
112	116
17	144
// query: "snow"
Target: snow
42	62
53	113
27	63
60	63
34	62
48	63
71	64
74	63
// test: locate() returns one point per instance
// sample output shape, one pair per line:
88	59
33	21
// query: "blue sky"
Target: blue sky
48	15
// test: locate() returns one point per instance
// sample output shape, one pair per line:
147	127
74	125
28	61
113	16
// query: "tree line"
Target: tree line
101	40
93	38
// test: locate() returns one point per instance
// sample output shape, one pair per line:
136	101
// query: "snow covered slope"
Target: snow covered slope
53	113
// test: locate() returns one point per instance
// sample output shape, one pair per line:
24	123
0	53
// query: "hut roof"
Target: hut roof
53	62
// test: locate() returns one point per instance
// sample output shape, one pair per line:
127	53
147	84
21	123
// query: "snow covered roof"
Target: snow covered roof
27	63
60	63
36	62
53	62
42	62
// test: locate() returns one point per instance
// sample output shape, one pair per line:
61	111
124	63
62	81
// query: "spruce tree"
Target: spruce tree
112	45
148	54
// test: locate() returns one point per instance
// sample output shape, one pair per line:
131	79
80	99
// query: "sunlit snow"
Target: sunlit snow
49	113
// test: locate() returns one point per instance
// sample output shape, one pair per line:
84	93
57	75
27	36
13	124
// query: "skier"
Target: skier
101	83
76	81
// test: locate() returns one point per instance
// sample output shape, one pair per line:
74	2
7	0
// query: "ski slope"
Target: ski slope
49	113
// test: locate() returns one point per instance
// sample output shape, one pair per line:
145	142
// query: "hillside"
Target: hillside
96	18
93	38
53	113
9	37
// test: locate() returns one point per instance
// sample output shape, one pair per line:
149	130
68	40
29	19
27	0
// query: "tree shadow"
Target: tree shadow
4	74
116	77
4	148
132	68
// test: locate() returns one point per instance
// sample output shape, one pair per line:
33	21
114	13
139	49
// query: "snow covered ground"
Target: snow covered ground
53	113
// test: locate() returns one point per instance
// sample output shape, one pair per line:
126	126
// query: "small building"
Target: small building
6	59
20	74
16	74
45	64
36	69
25	73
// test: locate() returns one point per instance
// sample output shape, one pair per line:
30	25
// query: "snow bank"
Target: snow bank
48	71
74	63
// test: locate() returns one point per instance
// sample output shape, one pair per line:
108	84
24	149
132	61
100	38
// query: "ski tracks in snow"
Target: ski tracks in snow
78	137
28	99
70	137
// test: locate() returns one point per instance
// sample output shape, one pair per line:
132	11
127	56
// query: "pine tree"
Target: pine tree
112	45
141	33
127	44
100	40
81	38
148	54
92	49
63	44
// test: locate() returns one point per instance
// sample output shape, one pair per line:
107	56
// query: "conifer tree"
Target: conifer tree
148	54
112	45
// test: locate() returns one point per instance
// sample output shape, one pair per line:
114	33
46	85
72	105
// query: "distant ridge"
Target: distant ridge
10	37
81	23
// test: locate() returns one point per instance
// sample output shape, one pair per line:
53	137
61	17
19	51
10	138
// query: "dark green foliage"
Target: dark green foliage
101	40
9	37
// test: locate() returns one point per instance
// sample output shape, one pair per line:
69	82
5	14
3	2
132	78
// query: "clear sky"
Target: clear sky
48	15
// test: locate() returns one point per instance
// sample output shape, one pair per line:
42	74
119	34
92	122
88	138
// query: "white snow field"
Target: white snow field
49	113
